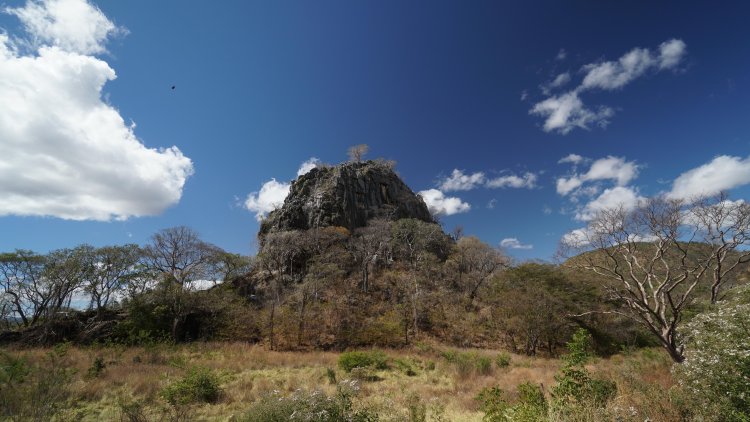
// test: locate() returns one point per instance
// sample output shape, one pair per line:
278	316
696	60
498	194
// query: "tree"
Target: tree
179	255
357	152
179	258
369	244
646	262
476	263
724	225
113	268
418	243
21	278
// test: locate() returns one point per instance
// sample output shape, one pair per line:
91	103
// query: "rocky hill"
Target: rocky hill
347	195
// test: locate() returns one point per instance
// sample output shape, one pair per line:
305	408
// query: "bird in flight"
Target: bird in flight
173	86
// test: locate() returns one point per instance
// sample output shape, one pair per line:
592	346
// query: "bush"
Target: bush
198	385
364	359
311	406
493	403
715	376
574	383
503	360
483	365
34	392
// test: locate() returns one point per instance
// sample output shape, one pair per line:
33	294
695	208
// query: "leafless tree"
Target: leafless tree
178	257
357	152
369	244
476	263
724	226
646	259
113	269
178	254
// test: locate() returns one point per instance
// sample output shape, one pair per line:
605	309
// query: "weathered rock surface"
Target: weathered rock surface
347	195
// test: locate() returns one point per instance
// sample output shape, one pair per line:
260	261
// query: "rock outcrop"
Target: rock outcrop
347	195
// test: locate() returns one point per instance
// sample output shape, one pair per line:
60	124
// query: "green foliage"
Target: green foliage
198	385
715	376
417	409
34	392
374	359
503	360
531	406
311	406
331	375
493	403
96	368
574	383
467	363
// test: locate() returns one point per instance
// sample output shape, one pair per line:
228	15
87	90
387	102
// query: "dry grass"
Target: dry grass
249	372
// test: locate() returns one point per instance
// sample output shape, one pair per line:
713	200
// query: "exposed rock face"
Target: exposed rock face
347	195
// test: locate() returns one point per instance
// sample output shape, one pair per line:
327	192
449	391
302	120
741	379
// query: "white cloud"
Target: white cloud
560	80
577	238
612	168
567	111
513	243
308	165
491	204
616	74
722	173
528	181
571	158
460	181
271	196
74	26
64	152
619	196
567	185
439	204
561	55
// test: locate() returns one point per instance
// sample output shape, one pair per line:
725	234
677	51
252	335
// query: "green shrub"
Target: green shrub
503	360
483	365
34	392
331	375
531	406
198	385
96	368
493	403
310	406
574	383
375	359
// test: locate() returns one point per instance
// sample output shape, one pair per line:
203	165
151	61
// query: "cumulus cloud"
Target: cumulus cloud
722	173
308	165
616	197
577	238
64	152
572	159
271	196
565	112
617	169
527	180
560	80
513	243
460	181
439	204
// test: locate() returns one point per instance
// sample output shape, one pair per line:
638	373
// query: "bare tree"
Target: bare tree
178	254
724	226
113	269
476	263
357	152
179	258
368	245
645	258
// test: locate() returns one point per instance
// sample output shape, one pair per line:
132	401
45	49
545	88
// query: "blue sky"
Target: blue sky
651	96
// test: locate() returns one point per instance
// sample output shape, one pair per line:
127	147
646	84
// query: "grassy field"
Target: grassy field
107	381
